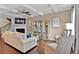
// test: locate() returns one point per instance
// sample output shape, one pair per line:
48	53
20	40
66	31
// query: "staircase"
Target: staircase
4	25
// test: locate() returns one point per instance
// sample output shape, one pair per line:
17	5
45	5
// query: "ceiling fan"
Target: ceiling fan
24	12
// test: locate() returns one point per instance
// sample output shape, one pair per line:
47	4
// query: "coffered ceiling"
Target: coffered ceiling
15	10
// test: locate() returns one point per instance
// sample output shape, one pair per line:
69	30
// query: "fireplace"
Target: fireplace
21	30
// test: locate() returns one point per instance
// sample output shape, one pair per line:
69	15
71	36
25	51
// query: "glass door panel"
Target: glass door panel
41	29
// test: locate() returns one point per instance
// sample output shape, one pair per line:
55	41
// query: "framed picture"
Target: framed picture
56	22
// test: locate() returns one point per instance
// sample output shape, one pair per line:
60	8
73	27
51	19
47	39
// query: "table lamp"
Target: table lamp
68	28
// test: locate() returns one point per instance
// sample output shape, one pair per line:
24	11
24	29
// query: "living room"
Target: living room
37	29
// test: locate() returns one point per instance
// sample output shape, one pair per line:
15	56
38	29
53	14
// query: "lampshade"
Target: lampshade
68	26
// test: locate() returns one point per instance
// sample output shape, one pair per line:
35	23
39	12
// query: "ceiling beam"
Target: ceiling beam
52	9
13	11
12	15
33	9
8	9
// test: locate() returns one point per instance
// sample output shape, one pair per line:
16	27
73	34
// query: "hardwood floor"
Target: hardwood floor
6	49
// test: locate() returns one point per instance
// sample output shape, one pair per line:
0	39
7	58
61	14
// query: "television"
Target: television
21	30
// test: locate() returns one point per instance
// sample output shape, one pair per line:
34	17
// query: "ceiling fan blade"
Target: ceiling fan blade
24	12
28	14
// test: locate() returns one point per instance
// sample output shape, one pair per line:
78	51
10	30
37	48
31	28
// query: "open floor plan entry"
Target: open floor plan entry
39	29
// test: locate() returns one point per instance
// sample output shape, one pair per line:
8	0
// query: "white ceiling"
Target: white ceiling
11	10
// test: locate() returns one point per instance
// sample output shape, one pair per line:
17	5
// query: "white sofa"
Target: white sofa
16	40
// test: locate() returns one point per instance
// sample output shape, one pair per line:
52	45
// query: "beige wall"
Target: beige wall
64	17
